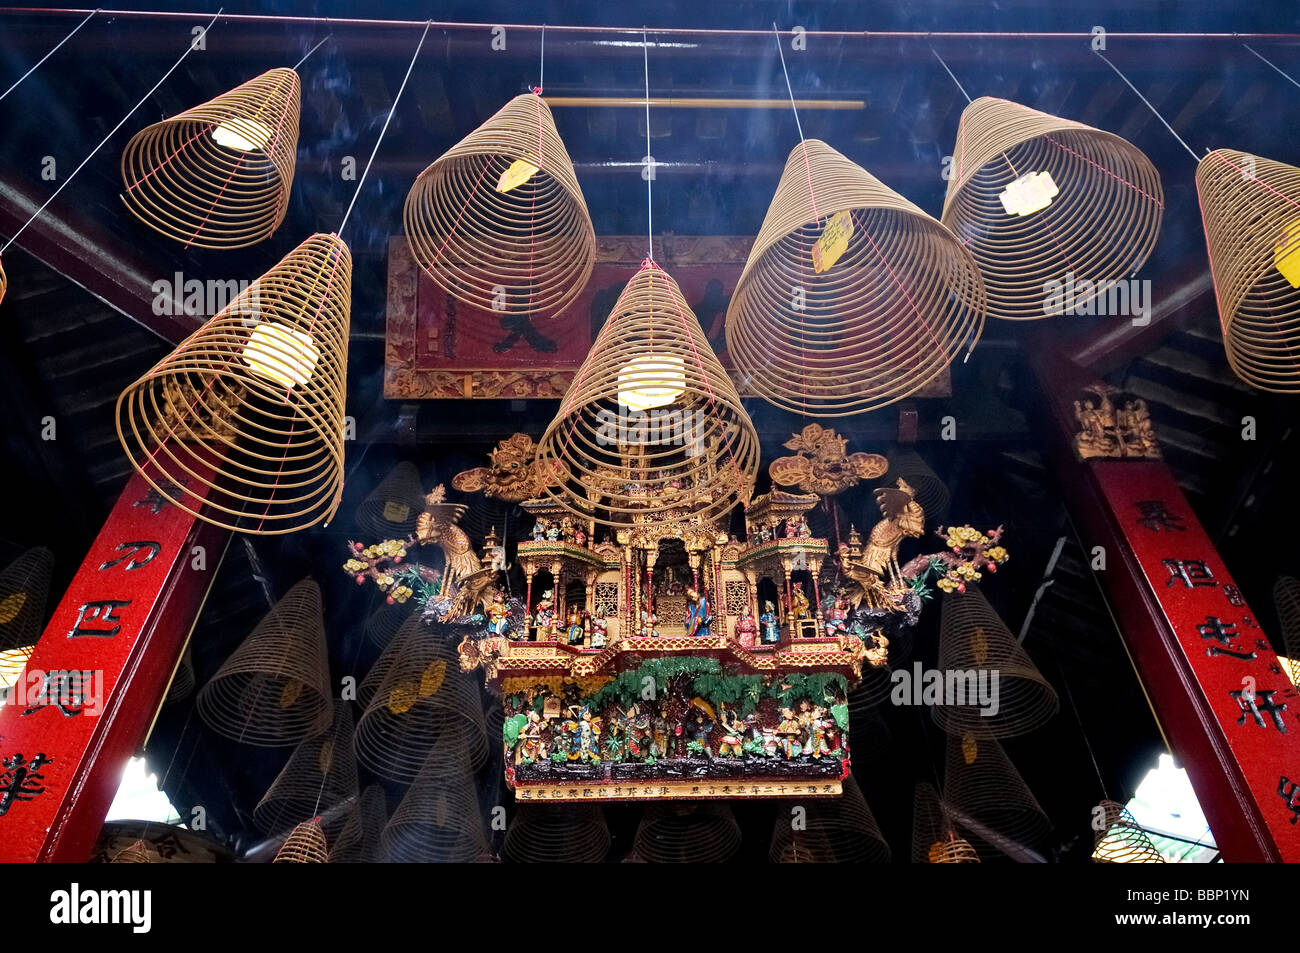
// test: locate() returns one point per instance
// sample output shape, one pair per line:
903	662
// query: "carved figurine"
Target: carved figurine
649	621
798	603
733	739
577	631
698	617
746	629
498	614
514	473
788	729
821	465
539	530
598	627
544	616
837	616
552	532
701	725
791	528
579	536
566	530
802	529
771	628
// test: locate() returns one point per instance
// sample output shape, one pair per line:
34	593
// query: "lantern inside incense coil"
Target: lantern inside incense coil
1250	207
696	453
499	220
256	395
275	689
218	175
852	297
1041	201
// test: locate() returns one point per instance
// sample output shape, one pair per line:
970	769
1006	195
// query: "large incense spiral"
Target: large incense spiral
218	175
499	221
1100	225
828	336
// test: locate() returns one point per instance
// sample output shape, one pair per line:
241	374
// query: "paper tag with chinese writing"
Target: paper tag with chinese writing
1286	254
833	242
520	171
1030	193
396	511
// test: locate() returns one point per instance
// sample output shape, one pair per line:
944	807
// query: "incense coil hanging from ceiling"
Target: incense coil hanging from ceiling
695	453
1100	224
24	588
439	819
274	689
989	801
479	232
557	834
834	830
321	774
701	833
242	424
878	323
1250	207
358	841
934	835
218	175
1123	840
305	844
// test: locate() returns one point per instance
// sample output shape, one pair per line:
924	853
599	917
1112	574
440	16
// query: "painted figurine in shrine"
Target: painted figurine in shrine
791	528
579	536
531	747
701	726
544	617
802	529
649	621
746	629
798	603
661	731
811	720
539	530
733	739
598	633
552	531
837	616
763	534
698	618
789	730
585	734
771	629
576	630
566	530
498	614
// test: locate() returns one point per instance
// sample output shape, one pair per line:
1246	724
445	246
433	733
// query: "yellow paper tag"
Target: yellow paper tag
401	697
980	646
11	606
290	693
396	512
520	171
1286	254
970	748
1030	193
936	852
833	242
432	677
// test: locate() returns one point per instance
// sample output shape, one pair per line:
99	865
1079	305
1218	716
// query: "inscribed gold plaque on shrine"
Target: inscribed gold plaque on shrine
441	348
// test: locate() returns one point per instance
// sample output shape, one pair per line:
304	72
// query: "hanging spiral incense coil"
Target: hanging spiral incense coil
135	853
525	248
974	641
557	833
379	668
934	835
1250	207
836	830
359	840
1123	840
305	844
24	588
256	394
686	834
382	624
439	819
391	509
652	424
989	801
274	690
425	709
927	488
1286	598
321	773
882	321
1099	227
183	680
218	175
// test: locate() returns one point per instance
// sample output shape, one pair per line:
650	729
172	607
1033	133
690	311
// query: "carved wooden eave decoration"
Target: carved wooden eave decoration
1113	427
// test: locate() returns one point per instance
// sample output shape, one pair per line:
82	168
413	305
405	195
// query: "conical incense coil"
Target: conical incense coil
1250	207
1085	203
934	834
557	833
274	690
989	801
183	680
499	221
852	297
320	774
1286	597
24	588
686	834
382	624
359	840
1123	840
439	819
378	670
218	175
652	424
256	394
927	488
425	710
305	844
834	830
391	509
975	645
135	853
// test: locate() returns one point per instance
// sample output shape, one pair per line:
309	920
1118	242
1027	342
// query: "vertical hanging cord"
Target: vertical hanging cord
788	88
960	87
392	109
56	49
541	68
649	179
35	215
1154	111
